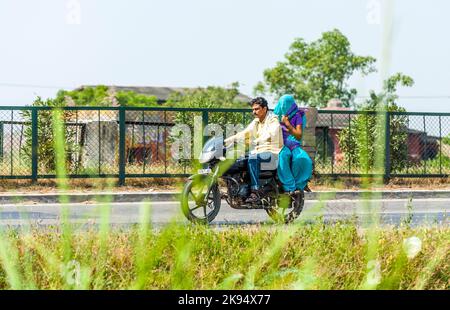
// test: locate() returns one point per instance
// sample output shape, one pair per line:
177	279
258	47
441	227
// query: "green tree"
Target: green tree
209	98
358	141
100	96
132	99
446	140
86	96
317	72
46	154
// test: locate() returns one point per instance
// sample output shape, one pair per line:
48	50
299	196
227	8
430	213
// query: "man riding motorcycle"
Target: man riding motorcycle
265	137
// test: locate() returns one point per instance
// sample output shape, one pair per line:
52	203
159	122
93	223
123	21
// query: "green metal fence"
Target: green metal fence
416	145
122	143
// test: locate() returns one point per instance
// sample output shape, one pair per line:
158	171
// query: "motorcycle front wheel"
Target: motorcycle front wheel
198	208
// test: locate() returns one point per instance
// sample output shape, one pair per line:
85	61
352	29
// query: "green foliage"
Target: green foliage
100	96
318	71
132	99
313	256
358	142
446	140
440	164
87	96
46	152
385	101
208	98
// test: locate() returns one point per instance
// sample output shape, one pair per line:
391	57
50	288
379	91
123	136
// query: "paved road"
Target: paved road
424	212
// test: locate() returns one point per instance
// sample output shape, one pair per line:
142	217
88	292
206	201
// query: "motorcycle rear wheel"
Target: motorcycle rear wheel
286	209
195	207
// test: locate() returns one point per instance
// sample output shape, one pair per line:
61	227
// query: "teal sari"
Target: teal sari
294	164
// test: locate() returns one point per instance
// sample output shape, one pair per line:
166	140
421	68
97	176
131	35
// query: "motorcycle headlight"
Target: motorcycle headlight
210	150
209	147
206	157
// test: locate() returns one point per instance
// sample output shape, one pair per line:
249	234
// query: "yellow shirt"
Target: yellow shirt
264	136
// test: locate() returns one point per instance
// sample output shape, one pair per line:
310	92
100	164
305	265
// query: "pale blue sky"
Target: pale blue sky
207	42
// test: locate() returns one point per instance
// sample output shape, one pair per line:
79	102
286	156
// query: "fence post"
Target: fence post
34	145
205	121
387	147
440	145
425	149
1	141
121	146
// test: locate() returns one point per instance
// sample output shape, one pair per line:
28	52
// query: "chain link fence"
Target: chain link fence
140	142
14	162
392	144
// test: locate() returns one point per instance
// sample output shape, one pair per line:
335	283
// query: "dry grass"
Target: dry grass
175	184
182	257
88	185
394	184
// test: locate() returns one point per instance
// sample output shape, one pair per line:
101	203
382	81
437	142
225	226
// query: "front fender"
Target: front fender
199	178
196	177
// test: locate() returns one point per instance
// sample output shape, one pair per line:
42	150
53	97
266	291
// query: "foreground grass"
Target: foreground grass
305	256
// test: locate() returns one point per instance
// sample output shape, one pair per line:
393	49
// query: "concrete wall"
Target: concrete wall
101	143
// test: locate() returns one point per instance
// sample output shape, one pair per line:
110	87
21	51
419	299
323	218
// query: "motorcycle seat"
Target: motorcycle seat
266	174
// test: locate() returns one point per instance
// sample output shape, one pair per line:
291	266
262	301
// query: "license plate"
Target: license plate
204	171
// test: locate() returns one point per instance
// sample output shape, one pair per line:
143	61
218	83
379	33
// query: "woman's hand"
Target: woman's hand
286	122
295	131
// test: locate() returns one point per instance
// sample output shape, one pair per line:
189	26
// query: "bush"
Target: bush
46	153
359	142
446	140
207	98
99	96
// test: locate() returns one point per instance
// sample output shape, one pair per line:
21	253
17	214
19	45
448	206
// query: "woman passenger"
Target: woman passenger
294	165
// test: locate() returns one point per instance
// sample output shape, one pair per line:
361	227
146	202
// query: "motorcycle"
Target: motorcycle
228	179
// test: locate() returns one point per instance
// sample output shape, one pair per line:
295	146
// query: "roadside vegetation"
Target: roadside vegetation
309	255
175	184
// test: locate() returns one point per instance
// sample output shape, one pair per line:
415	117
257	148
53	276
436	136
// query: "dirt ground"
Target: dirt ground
167	184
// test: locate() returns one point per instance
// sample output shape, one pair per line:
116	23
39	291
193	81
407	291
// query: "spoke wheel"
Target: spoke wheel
285	209
196	206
